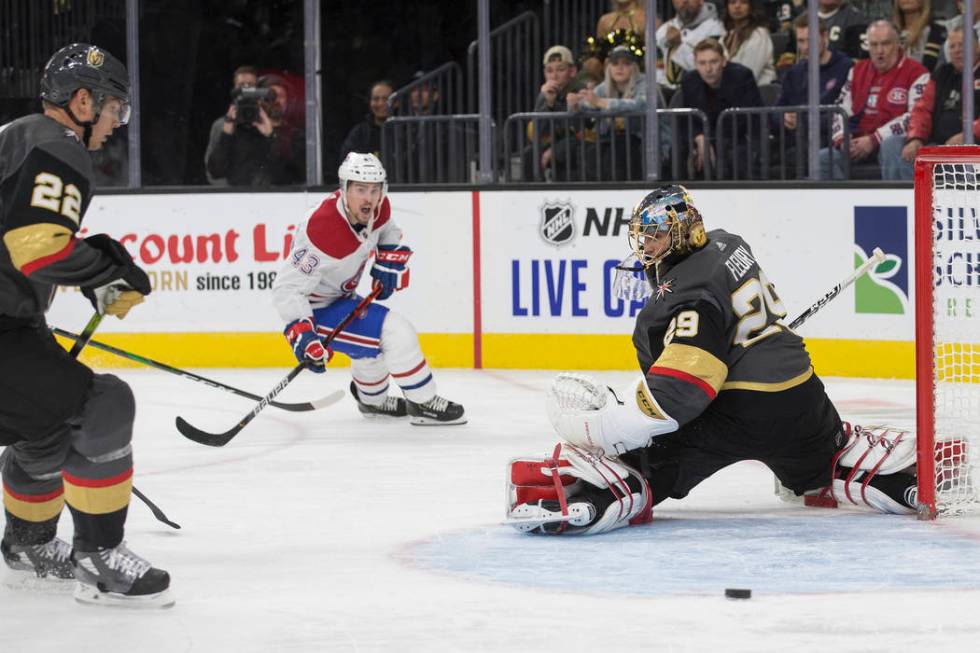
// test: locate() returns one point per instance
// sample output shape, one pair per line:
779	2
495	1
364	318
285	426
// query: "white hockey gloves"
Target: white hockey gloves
587	414
574	492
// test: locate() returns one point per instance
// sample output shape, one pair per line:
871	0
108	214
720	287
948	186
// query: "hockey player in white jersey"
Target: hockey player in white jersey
315	290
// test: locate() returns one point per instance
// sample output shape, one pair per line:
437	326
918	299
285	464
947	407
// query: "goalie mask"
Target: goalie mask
665	227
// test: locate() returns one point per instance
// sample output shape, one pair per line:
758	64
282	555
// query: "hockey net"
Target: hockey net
947	283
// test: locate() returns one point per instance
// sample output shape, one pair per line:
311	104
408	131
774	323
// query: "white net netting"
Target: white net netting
956	324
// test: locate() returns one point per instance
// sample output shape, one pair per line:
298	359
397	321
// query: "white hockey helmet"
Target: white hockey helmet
362	167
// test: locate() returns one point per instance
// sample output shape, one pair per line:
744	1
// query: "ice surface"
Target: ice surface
325	531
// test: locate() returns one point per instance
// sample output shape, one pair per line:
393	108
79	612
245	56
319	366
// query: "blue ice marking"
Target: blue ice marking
843	553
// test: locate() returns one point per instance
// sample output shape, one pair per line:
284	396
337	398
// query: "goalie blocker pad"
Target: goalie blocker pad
574	492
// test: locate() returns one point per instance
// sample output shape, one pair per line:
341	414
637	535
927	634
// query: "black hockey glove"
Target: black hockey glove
131	274
126	291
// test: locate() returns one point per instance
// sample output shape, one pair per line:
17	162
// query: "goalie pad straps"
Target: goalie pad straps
588	415
537	487
867	453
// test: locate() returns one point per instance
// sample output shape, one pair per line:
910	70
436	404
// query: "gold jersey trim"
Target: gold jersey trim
769	387
694	361
35	241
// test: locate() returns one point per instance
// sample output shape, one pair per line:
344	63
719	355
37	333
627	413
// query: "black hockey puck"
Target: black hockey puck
731	593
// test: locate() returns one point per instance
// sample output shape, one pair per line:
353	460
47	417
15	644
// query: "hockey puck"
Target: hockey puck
731	593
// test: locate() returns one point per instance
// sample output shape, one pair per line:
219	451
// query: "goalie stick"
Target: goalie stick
877	256
295	407
221	439
80	342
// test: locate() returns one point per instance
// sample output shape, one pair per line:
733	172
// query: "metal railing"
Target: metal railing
569	22
748	138
515	48
585	147
437	93
31	30
431	149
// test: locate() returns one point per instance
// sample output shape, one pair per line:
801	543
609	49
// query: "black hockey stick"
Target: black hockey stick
297	407
86	335
221	439
877	256
80	343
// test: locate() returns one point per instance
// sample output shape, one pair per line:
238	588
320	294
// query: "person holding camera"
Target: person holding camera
255	146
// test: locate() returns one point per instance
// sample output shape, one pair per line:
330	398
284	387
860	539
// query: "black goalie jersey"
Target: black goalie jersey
713	326
45	187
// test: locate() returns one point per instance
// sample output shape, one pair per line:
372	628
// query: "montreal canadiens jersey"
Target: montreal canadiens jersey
45	188
712	325
328	258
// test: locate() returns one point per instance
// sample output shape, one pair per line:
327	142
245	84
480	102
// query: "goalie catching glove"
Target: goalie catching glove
128	286
307	345
390	269
589	415
576	493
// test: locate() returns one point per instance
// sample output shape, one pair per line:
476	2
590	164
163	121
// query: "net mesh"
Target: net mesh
956	318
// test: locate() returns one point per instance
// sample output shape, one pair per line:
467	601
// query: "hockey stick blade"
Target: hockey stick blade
159	514
292	407
221	439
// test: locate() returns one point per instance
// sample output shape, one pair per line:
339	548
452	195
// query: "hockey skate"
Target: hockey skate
393	407
437	411
119	577
48	560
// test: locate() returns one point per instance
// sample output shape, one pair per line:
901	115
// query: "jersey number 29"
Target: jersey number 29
757	306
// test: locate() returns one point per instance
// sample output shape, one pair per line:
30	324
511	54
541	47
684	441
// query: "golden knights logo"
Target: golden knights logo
94	57
557	223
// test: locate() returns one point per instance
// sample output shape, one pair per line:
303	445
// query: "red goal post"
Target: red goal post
947	328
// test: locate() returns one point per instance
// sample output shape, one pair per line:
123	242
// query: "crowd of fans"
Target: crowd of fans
896	82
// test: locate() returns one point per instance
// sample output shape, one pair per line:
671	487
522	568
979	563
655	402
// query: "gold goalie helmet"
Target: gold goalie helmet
667	210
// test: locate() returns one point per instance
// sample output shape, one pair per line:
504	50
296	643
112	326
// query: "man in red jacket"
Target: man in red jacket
937	117
878	97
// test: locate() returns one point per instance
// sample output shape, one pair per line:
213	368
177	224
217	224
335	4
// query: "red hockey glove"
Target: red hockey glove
307	345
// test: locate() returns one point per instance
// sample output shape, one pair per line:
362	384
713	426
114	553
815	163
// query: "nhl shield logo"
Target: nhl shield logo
557	223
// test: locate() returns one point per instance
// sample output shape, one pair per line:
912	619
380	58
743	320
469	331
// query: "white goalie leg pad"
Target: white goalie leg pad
862	494
878	449
539	492
868	452
403	356
586	414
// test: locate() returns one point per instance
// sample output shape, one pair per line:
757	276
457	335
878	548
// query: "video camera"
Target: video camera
246	100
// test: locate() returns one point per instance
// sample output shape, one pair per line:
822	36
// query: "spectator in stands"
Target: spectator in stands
559	81
957	21
694	22
878	97
243	76
423	98
846	26
834	67
626	14
922	37
624	89
937	118
747	38
714	86
365	136
266	151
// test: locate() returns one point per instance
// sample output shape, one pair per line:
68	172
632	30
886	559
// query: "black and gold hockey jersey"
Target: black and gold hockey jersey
45	188
713	325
